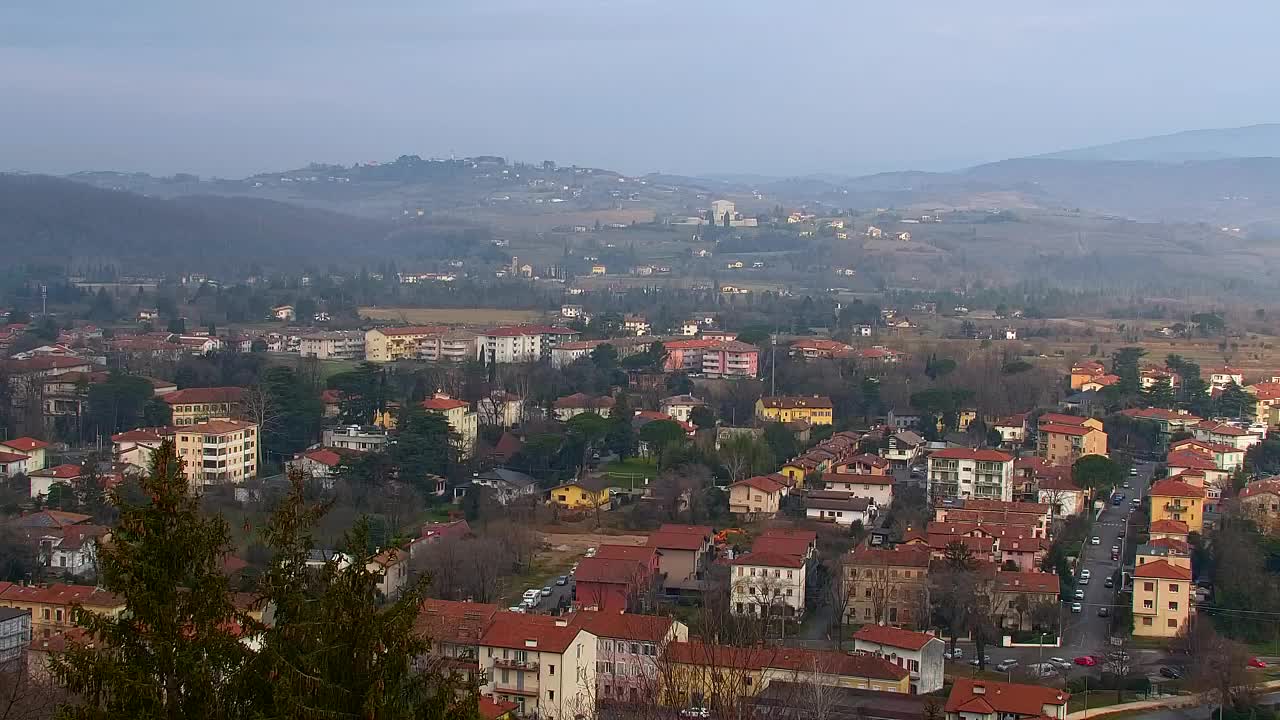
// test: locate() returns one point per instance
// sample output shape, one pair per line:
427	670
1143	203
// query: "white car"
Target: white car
1079	594
532	593
1096	540
1076	607
1060	662
1086	573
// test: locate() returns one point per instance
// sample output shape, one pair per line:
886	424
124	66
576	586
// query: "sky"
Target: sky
767	87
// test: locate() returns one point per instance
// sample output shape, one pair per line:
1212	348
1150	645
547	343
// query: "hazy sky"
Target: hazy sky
751	86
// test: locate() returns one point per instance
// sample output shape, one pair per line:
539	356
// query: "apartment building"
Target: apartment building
1260	500
1064	443
731	359
918	653
461	418
542	664
1175	499
816	410
966	473
972	699
355	437
195	405
627	652
15	636
767	584
521	343
1161	599
887	586
218	451
453	346
50	606
334	345
397	343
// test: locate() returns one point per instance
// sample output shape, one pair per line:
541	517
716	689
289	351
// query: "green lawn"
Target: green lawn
1098	699
631	472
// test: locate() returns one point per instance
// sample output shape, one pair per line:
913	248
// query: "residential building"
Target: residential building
1012	429
397	343
1226	457
1168	529
50	606
731	358
1037	587
1063	444
1174	499
620	579
816	410
12	464
33	449
973	699
355	437
1226	375
1060	493
453	630
887	586
521	343
684	552
918	653
500	409
392	568
685	355
543	664
218	451
570	406
450	346
1260	500
15	637
506	486
816	348
757	497
681	407
74	550
864	464
905	448
966	473
877	488
1161	599
589	493
636	324
839	508
1211	431
42	481
627	652
463	421
195	405
322	463
334	345
1084	372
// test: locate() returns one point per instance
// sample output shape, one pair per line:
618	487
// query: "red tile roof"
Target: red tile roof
143	435
8	457
325	456
1181	547
1067	429
972	454
443	404
1189	459
1213	447
61	594
763	483
1173	527
837	663
611	571
635	553
25	444
1162	570
491	709
196	396
990	696
1219	428
769	559
1175	488
66	471
1268	486
217	427
1034	582
460	623
898	557
1060	419
893	637
625	626
809	536
519	631
583	400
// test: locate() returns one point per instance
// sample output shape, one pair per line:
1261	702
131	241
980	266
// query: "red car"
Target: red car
1086	660
1256	663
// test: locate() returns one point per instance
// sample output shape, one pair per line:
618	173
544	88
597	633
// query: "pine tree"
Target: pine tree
333	651
1159	394
175	648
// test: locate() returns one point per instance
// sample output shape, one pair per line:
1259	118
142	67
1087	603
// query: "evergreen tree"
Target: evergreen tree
334	651
1159	394
1125	364
174	652
1235	402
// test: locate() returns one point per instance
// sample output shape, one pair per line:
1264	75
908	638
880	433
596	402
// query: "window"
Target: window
635	648
551	669
1148	604
44	613
58	614
1149	587
1173	606
788	574
551	694
1173	588
1173	623
1146	621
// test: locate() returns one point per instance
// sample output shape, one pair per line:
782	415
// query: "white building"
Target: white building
335	345
877	487
540	663
521	343
966	473
501	409
918	653
680	407
840	508
355	437
767	584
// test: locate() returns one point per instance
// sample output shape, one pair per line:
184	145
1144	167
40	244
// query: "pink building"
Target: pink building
731	359
686	355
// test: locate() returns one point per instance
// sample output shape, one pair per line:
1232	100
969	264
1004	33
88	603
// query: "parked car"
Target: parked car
1006	665
1096	540
546	591
1079	595
562	580
1173	673
1043	669
1060	662
1086	660
1257	663
986	660
1086	573
956	654
1076	607
516	609
1108	582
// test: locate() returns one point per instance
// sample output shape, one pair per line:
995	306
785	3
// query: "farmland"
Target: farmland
449	316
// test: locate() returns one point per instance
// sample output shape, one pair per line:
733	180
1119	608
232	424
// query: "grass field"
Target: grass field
450	316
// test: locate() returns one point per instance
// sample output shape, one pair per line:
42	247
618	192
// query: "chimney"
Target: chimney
979	690
562	622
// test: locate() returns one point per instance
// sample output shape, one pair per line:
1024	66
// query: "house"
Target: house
972	699
1100	382
1012	429
500	409
887	586
570	312
1169	529
1161	599
542	664
1063	443
1181	462
135	447
75	550
194	405
905	448
1033	516
322	463
757	497
463	421
1175	499
50	606
841	508
902	420
1037	587
681	407
877	488
864	464
966	473
506	486
1226	375
1260	500
918	653
453	630
392	568
1228	458
622	580
218	451
683	553
816	410
589	493
283	312
33	449
355	437
12	464
628	651
489	709
636	324
1060	493
815	348
42	481
570	406
1211	431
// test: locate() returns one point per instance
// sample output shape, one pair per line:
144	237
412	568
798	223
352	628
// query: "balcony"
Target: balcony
510	688
530	665
1173	507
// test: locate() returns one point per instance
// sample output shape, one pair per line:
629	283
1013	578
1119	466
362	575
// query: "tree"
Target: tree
744	456
661	435
1096	472
781	440
604	356
958	556
120	403
1235	402
425	445
361	393
1124	362
702	417
176	651
333	650
1159	394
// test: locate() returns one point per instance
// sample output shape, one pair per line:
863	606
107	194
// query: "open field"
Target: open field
450	316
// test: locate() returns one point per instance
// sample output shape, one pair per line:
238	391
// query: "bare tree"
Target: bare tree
258	406
744	456
28	693
1221	672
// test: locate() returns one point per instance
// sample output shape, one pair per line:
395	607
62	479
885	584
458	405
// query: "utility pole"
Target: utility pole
773	363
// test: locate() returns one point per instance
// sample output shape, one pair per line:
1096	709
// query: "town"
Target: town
596	511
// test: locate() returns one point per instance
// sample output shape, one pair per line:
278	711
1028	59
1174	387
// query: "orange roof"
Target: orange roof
762	483
612	571
324	456
836	663
769	559
972	454
217	427
1190	460
8	457
1175	488
519	631
1173	527
491	709
62	472
627	626
449	621
1181	547
898	557
25	444
782	545
990	696
1034	582
1220	428
204	395
1163	570
893	637
583	400
143	435
1054	429
1061	419
1207	446
443	404
61	594
675	541
1269	486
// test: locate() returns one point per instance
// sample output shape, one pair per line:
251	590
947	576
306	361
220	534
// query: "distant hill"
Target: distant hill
51	220
1213	144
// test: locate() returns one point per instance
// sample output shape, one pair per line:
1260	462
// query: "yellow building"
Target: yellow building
51	605
817	410
1161	599
585	494
194	405
1173	499
397	343
464	421
218	451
